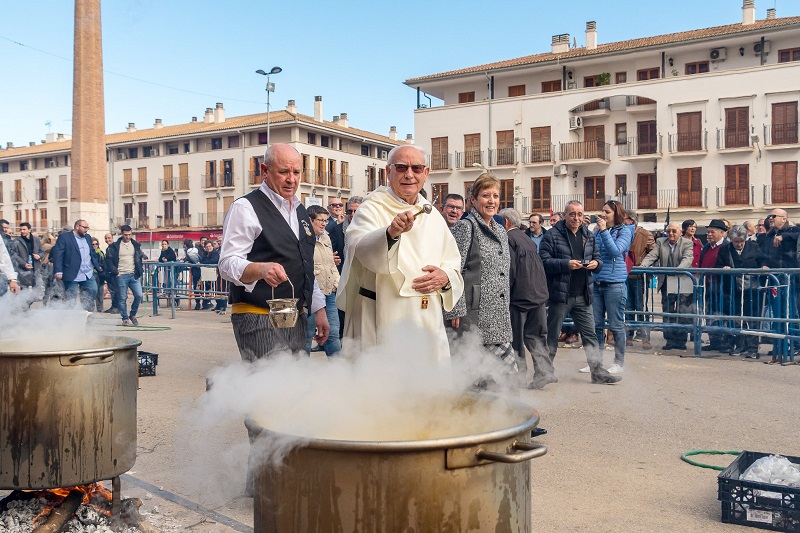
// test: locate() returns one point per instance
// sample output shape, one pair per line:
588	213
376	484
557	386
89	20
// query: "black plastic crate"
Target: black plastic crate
755	504
147	363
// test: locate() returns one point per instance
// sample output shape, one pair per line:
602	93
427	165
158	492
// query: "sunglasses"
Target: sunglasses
350	211
402	169
335	205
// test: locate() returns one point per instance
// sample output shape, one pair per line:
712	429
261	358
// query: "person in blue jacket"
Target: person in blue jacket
613	239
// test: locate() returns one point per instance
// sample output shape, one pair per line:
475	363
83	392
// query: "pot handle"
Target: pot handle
86	358
529	451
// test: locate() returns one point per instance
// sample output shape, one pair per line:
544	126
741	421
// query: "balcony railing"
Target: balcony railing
780	195
62	193
185	221
16	197
538	153
210	220
742	196
585	150
183	183
776	134
559	201
635	146
594	105
167	184
638	100
672	198
732	139
227	179
692	141
135	223
255	177
440	161
41	194
210	181
502	156
469	158
629	200
133	187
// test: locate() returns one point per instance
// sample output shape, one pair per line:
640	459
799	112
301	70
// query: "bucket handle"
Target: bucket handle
290	284
529	451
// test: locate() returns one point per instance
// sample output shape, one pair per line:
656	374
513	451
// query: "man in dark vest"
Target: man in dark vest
716	303
267	240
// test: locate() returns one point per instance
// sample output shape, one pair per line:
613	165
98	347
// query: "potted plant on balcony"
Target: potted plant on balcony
603	79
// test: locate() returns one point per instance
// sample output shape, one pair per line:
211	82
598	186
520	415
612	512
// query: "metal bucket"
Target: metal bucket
283	312
68	417
477	483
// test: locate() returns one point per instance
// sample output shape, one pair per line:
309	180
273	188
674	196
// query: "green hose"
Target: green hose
685	457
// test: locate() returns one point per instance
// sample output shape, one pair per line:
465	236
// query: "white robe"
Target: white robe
370	264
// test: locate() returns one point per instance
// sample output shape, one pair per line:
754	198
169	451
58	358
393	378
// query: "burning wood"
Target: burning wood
61	514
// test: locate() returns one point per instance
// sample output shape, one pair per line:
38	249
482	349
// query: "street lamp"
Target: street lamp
270	89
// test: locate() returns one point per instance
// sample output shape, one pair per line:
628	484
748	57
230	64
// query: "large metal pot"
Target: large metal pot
67	417
478	482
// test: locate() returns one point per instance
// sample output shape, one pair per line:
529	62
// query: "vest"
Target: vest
708	258
277	244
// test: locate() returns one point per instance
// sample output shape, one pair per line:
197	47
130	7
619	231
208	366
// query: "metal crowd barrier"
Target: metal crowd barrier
744	303
170	284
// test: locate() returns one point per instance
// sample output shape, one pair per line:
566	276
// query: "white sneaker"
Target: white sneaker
585	370
615	369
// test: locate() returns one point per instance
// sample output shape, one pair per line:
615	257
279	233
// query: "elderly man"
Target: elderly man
673	251
74	260
267	240
536	229
336	211
452	208
528	301
400	265
570	256
716	303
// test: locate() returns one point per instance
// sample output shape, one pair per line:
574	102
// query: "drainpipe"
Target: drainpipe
417	97
491	97
110	189
245	183
663	64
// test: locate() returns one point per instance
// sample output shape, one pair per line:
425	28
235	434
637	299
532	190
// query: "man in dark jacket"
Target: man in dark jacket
528	302
569	255
26	254
124	263
74	260
716	303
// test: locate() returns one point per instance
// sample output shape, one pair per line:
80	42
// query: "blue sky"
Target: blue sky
171	59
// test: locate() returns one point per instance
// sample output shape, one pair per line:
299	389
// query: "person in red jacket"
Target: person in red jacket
689	229
716	303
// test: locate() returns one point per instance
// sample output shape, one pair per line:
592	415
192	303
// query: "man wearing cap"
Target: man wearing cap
716	303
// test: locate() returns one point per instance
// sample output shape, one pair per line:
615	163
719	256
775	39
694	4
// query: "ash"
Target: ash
18	518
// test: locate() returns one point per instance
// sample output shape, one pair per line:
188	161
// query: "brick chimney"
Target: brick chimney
219	113
131	127
318	108
158	125
591	35
343	120
393	133
772	13
748	12
208	117
291	107
560	43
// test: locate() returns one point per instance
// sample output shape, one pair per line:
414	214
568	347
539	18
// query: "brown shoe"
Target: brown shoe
562	337
572	339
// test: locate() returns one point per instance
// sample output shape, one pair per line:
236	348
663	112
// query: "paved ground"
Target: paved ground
613	462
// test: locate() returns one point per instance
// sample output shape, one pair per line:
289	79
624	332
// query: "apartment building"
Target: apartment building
176	181
703	123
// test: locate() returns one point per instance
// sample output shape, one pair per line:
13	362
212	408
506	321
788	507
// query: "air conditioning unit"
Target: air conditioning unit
575	123
718	54
154	152
560	170
572	85
53	164
757	48
122	155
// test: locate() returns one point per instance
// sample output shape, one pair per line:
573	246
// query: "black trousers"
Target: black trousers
529	330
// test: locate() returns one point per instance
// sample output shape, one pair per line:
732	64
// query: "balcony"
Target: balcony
780	195
538	153
559	201
227	180
16	197
41	194
135	223
469	158
742	197
133	187
210	220
185	221
440	162
629	200
603	104
62	193
731	140
585	150
183	183
692	142
672	198
502	156
307	176
781	135
640	148
210	181
167	184
639	104
255	178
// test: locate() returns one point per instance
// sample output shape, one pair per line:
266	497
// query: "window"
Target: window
440	158
183	176
621	181
262	137
255	168
172	148
325	141
737	127
790	54
371	173
594	138
648	191
647	137
17	191
211	174
382	177
127	181
148	151
540	194
621	133
784	123
41	189
621	77
168	181
506	194
690	187
62	216
594	192
43	218
142	179
216	143
61	194
472	149
737	185
648	74
227	172
312	138
49	162
690	134
183	212
505	148
17	217
464	98
169	213
365	150
1	192
127	208
439	191
3	167
551	86
467	196
233	141
23	165
143	220
516	90
187	147
700	67
590	81
541	146
784	182
133	153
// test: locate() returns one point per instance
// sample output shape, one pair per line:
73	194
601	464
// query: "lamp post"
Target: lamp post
270	89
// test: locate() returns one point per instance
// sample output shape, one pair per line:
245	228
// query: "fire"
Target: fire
94	494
